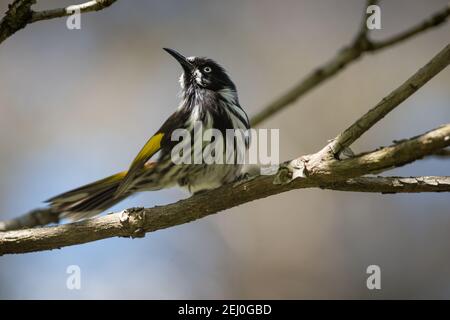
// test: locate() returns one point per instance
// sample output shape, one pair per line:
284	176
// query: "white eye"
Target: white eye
207	69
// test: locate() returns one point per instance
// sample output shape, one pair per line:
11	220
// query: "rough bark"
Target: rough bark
20	14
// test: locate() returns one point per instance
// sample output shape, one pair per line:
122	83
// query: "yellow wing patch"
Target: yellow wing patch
148	150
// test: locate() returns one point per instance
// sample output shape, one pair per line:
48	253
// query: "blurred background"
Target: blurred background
77	105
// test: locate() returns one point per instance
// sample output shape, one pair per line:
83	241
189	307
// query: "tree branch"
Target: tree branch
136	222
396	155
387	104
20	14
391	185
333	175
435	20
94	5
444	153
17	17
320	170
385	158
34	218
362	44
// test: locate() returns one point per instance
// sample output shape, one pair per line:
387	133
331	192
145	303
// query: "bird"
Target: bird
209	98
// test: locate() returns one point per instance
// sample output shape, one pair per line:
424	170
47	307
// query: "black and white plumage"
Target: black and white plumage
209	98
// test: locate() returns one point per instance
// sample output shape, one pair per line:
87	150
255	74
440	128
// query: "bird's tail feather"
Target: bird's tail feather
88	200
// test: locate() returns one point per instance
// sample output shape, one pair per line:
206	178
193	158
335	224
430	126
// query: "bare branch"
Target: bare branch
138	221
330	175
20	14
345	57
94	5
34	218
396	155
390	185
17	17
435	20
444	153
400	153
422	76
363	33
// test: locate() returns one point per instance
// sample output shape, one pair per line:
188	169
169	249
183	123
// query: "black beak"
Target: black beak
187	66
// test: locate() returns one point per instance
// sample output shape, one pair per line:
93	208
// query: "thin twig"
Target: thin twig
396	155
343	58
89	6
363	32
387	104
20	14
435	20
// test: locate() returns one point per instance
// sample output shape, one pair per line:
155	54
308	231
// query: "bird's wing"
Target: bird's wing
161	139
152	146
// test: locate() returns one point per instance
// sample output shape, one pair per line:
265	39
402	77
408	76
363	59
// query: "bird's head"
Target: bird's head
201	72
